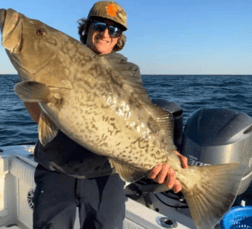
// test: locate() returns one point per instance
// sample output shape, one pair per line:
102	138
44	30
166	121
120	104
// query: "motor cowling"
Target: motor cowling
219	136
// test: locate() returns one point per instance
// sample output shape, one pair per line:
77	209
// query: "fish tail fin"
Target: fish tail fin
212	196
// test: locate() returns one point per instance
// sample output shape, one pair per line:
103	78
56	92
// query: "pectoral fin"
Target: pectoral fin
31	91
47	129
126	173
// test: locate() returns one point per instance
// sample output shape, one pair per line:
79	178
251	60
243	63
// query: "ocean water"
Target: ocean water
191	92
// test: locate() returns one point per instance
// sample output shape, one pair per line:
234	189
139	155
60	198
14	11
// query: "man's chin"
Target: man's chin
101	51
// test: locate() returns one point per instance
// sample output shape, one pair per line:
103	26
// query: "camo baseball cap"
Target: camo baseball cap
109	10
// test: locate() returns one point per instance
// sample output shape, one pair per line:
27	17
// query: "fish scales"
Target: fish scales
102	115
95	103
101	93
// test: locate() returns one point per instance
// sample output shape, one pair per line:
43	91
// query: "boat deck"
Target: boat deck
17	187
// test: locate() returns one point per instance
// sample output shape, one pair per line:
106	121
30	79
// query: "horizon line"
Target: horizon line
168	74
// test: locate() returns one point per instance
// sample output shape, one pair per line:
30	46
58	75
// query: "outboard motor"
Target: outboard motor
219	136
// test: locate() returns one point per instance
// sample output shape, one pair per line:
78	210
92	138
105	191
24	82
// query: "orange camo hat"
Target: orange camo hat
110	10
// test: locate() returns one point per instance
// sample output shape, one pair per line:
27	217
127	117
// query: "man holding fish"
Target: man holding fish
97	126
69	175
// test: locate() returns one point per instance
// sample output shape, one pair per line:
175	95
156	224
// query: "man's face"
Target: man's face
101	42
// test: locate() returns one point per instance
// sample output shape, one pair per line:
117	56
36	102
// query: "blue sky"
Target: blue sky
164	36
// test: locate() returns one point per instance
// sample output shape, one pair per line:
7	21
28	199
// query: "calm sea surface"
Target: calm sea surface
191	92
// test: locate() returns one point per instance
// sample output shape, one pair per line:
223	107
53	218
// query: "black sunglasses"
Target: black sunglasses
99	26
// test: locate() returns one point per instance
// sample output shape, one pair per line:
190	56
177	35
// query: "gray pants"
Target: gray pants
100	201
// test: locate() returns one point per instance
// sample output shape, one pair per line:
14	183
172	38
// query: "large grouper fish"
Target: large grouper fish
91	99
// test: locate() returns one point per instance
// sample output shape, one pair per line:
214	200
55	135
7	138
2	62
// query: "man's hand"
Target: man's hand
163	174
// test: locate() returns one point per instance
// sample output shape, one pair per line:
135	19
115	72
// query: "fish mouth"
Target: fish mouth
12	29
2	18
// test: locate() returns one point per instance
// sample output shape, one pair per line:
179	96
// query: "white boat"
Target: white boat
211	136
16	197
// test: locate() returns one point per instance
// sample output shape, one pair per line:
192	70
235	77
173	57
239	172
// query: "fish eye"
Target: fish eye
40	32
